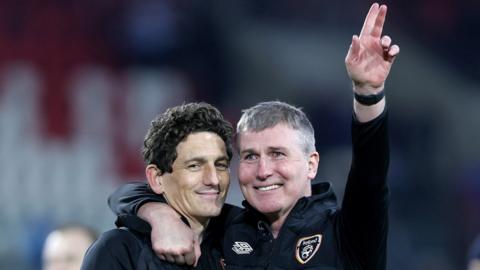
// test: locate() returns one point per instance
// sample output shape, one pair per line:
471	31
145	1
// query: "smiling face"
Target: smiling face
274	171
198	184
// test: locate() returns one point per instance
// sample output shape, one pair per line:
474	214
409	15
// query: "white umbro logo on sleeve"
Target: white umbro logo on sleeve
242	248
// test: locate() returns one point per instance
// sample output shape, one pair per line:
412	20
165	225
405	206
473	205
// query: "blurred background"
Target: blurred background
81	80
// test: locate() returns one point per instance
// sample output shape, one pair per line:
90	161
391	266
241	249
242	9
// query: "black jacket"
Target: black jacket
129	247
316	234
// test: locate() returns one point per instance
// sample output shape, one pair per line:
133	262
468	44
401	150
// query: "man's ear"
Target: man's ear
154	177
313	160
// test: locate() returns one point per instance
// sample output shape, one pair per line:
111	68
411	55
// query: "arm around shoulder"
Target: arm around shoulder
128	198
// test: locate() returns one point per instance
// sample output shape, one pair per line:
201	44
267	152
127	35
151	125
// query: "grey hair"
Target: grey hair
268	114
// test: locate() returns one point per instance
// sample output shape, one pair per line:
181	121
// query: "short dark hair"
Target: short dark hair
167	130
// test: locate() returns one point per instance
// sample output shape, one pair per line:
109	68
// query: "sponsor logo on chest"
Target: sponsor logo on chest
307	247
242	248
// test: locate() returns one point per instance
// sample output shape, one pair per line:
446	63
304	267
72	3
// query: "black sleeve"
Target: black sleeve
128	198
363	224
115	249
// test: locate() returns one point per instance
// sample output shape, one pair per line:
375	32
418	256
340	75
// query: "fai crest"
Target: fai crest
307	247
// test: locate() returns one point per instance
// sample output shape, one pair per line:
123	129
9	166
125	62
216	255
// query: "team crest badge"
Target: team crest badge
307	247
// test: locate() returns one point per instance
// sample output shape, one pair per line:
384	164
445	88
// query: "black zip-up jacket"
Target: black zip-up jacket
316	234
129	247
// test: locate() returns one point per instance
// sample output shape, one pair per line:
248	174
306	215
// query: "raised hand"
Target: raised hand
370	56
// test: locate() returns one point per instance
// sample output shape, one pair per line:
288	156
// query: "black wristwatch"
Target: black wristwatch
369	100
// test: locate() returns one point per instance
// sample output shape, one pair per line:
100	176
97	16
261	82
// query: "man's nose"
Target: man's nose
264	169
211	176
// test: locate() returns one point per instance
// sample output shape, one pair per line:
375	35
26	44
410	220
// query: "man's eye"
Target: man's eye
277	154
193	166
250	157
222	166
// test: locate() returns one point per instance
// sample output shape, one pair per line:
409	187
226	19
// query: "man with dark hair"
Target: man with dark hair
188	151
170	128
288	223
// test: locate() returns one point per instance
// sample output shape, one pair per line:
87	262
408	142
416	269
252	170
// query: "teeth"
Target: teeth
208	192
267	188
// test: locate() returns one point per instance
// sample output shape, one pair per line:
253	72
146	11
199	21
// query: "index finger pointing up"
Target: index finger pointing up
369	20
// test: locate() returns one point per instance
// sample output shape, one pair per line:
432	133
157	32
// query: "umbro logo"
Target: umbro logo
242	248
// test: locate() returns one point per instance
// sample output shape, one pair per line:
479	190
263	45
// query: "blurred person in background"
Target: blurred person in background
287	222
474	255
65	247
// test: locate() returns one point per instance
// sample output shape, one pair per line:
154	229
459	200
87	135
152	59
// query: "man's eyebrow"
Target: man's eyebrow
270	148
223	157
277	148
204	160
195	159
247	151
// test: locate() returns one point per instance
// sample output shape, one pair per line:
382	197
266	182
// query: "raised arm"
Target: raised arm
369	60
363	223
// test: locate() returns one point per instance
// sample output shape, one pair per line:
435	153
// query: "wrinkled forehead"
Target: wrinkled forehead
280	135
203	144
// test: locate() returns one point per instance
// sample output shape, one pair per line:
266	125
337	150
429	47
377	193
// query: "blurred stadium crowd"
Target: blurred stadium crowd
80	81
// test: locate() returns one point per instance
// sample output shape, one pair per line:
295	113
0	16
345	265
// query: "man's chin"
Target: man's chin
212	212
267	209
